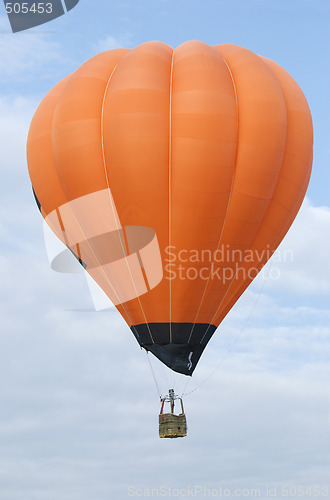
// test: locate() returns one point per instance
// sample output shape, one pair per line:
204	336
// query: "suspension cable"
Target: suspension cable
238	336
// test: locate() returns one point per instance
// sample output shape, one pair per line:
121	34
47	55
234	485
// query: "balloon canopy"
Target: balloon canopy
172	175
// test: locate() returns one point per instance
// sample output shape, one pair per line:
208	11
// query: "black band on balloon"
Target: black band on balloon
36	199
183	352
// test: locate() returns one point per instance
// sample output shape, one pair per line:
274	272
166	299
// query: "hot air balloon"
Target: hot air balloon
172	175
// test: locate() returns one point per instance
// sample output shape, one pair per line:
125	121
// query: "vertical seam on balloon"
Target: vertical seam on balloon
281	237
170	185
112	202
73	213
303	188
278	178
227	209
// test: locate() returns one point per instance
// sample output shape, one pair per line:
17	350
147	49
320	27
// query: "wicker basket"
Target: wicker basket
172	426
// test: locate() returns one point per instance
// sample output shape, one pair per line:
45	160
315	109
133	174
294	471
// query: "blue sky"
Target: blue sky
78	406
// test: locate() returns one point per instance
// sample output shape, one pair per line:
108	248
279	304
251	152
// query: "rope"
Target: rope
154	376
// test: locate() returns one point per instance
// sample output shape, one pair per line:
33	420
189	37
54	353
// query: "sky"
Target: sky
78	403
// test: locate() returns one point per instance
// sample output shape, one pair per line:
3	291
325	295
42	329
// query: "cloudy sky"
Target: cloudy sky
78	403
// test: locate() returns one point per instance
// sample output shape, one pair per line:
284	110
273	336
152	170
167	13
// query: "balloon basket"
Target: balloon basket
172	425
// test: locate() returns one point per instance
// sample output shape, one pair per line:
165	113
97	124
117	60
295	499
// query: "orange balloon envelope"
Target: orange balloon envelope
172	175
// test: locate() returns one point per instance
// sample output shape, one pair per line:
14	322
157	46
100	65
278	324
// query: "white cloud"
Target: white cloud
16	113
25	54
301	264
111	42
